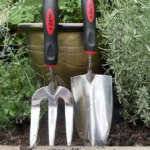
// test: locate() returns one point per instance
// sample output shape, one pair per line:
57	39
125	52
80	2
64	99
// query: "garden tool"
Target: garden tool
92	93
52	93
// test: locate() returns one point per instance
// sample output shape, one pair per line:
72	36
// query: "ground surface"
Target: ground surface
122	134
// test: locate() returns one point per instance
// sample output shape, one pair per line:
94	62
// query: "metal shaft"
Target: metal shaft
90	63
52	78
90	75
51	71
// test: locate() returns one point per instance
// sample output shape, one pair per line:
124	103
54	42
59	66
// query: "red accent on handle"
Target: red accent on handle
89	53
90	10
50	21
50	66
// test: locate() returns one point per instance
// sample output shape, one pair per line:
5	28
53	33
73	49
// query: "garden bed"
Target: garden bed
122	134
124	27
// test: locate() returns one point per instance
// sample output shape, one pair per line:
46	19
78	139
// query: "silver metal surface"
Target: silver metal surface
90	75
93	107
52	84
66	95
45	93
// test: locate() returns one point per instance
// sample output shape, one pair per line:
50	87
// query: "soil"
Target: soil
122	134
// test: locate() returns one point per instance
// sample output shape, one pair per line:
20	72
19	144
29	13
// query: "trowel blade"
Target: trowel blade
93	106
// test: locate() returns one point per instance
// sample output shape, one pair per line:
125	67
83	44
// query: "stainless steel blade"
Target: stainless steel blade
93	107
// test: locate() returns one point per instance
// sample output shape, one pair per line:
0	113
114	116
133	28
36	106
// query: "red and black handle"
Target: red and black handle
89	20
50	26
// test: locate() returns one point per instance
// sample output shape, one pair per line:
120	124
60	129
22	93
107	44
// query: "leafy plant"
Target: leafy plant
4	8
126	32
25	11
31	11
18	83
14	12
70	11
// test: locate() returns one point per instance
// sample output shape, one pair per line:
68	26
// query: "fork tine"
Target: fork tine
66	95
38	96
35	114
69	123
52	118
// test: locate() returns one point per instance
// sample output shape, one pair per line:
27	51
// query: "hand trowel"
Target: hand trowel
92	92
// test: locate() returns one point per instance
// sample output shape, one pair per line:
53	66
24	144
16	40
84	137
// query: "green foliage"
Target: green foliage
126	31
33	2
70	11
15	40
31	11
17	85
4	8
23	12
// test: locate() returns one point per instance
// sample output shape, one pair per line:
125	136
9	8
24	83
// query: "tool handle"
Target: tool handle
89	19
50	26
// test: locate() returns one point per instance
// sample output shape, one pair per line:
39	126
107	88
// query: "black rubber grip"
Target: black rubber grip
89	20
50	27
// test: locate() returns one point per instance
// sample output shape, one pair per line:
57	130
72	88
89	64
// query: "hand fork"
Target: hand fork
51	93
